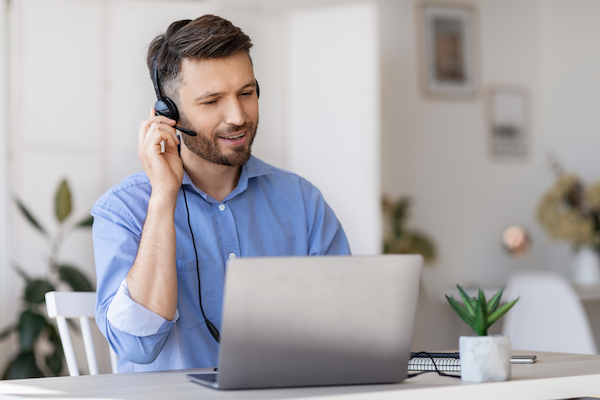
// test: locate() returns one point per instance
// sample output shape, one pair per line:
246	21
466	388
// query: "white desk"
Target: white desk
554	376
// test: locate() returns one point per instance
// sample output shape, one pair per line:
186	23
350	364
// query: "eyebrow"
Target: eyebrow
207	95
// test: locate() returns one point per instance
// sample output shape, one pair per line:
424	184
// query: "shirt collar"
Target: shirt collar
253	168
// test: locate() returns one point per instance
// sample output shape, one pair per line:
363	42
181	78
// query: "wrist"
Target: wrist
163	201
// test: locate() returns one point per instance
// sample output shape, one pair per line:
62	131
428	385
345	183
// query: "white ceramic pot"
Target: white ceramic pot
485	358
586	267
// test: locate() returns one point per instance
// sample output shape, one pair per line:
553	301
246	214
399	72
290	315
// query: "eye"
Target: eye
209	103
247	93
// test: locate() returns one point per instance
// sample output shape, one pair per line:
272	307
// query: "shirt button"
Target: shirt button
231	256
221	207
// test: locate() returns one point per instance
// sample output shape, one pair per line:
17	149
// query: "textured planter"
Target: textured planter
485	358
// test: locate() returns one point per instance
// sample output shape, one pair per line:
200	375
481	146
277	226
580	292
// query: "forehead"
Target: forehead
216	74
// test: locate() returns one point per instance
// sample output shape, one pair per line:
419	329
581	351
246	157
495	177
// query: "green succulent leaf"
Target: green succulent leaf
492	305
30	326
5	333
23	366
72	276
86	223
63	201
30	217
470	304
461	311
501	311
35	291
481	315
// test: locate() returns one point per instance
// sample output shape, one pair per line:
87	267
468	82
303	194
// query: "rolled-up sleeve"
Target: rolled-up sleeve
130	317
135	333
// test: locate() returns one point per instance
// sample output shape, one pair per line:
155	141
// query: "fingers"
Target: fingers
159	122
158	132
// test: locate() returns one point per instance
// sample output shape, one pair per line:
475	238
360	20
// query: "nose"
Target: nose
234	114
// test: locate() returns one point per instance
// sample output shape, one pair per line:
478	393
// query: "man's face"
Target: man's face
217	100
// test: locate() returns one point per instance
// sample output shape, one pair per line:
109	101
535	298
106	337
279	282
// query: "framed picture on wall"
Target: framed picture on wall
448	49
508	122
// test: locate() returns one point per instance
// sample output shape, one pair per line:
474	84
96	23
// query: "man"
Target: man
162	238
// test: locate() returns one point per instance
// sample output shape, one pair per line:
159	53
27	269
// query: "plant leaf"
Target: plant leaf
63	201
420	243
481	316
30	217
470	304
86	223
461	311
23	366
5	333
55	360
501	311
76	279
30	326
492	305
35	291
22	272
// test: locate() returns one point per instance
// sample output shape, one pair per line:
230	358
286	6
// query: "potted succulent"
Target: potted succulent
483	358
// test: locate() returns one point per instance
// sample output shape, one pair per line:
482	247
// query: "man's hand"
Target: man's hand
165	170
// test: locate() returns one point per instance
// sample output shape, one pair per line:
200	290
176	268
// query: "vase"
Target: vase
586	267
485	358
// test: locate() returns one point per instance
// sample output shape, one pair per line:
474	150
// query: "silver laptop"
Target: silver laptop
314	321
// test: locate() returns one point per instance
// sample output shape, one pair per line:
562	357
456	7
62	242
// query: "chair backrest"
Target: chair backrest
549	315
81	305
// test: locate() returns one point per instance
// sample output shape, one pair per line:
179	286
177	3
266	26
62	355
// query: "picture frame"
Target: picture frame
448	50
508	122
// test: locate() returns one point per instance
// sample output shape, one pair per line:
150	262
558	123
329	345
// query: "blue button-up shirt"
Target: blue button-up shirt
271	212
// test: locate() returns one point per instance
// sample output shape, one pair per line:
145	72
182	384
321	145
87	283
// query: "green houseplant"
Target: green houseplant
483	358
33	325
399	237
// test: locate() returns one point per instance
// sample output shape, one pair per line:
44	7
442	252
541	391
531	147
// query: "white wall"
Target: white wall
6	278
333	130
436	151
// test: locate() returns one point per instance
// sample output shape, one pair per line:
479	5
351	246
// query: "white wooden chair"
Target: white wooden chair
81	305
548	317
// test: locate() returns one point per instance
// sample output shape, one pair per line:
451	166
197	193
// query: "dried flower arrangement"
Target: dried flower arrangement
571	212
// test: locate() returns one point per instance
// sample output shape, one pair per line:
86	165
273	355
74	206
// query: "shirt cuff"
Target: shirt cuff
130	317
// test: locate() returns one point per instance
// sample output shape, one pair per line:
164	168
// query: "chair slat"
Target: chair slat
82	305
65	338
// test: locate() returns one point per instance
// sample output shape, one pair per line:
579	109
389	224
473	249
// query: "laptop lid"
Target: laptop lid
311	321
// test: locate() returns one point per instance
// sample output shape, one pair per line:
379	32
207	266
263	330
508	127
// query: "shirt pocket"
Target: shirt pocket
188	304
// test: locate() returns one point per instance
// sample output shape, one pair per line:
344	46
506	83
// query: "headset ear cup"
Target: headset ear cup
167	108
257	89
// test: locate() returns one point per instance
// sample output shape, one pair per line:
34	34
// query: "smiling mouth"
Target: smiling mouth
234	137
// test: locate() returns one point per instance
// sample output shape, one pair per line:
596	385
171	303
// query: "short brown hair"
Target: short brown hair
203	38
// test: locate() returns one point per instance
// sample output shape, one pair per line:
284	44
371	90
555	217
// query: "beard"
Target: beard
207	147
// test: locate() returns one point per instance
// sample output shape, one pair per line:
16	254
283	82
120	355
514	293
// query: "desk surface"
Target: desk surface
554	376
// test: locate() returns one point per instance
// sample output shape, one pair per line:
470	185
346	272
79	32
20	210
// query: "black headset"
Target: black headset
166	107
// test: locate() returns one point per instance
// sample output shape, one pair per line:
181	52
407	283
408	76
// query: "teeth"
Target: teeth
234	137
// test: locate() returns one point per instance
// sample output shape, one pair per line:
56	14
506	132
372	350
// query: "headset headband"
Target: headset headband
155	80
